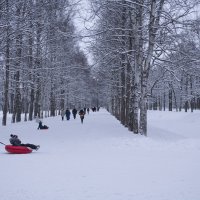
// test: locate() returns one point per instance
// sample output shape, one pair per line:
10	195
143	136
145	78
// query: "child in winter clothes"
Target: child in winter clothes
15	141
40	126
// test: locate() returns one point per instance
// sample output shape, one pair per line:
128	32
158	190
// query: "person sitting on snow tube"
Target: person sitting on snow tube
40	126
15	141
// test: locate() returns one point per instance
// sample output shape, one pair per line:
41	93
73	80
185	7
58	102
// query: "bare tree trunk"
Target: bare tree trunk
143	105
37	100
7	70
17	98
181	93
137	19
38	68
17	101
52	104
155	15
25	104
186	106
62	101
123	70
191	93
164	100
128	80
30	66
122	96
170	99
176	106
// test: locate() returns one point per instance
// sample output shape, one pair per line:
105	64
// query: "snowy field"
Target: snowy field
102	160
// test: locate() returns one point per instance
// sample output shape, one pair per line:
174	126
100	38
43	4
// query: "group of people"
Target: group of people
94	109
15	141
81	113
67	113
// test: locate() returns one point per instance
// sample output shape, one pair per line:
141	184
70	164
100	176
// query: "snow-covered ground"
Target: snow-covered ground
102	160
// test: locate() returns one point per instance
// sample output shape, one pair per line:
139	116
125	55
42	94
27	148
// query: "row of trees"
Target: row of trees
147	54
179	86
42	67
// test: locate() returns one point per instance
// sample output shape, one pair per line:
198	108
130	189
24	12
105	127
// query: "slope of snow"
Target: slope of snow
101	159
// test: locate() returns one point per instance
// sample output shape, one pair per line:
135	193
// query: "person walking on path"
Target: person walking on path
84	109
94	109
81	113
68	113
62	114
74	112
88	110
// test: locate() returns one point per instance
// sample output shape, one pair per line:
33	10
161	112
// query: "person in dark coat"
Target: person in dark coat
88	110
94	109
15	141
84	109
67	113
82	113
74	112
40	126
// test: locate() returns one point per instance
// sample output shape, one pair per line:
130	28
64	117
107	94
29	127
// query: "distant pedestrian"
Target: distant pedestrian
88	110
94	109
82	113
74	112
84	110
62	114
67	113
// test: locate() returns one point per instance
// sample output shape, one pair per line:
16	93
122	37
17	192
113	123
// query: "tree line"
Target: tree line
42	66
146	53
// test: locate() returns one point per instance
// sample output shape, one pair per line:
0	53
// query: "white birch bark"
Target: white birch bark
155	15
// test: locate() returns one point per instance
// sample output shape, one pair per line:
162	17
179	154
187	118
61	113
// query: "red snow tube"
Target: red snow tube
17	149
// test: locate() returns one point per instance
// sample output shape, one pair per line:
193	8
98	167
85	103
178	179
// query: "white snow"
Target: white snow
102	160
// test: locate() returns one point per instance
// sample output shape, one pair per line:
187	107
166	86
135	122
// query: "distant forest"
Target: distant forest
146	55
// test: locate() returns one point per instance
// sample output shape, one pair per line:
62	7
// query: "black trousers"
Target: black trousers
32	146
82	118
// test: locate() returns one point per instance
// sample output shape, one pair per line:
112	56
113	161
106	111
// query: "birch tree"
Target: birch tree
142	40
40	59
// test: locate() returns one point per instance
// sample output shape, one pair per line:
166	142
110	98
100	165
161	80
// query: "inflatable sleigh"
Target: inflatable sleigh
17	149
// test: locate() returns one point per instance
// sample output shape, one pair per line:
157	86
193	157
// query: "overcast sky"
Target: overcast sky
83	22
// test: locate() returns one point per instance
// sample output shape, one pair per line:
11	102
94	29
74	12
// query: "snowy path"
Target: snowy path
101	160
